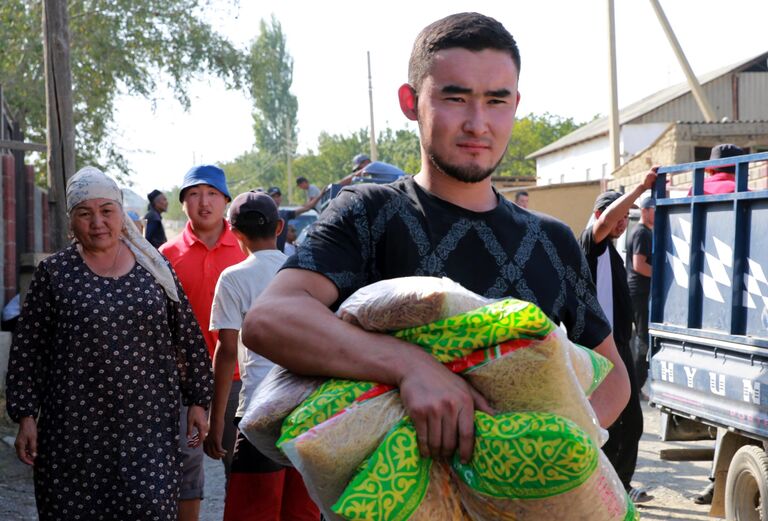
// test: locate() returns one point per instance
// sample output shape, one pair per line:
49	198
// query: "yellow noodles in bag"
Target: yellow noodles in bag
393	304
329	455
273	400
537	378
455	337
537	466
600	498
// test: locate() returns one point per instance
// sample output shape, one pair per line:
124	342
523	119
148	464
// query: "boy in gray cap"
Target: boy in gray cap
258	488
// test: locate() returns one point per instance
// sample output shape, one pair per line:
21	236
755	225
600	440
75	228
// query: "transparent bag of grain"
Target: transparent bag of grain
534	376
394	304
328	455
278	394
395	483
525	467
536	466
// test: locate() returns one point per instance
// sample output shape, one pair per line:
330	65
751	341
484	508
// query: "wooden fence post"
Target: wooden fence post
61	136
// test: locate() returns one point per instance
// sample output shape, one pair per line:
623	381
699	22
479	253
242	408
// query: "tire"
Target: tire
746	488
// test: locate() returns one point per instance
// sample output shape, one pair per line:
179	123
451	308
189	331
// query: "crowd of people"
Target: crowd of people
135	356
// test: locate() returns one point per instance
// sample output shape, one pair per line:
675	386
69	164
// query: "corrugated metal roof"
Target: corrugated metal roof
639	108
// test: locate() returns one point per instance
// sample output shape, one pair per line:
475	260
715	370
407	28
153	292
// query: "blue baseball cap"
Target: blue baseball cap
205	175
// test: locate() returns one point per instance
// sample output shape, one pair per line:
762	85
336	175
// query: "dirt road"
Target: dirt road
672	484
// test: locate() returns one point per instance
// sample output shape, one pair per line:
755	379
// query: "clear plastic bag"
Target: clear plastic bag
394	304
600	498
513	354
536	377
328	455
278	394
590	367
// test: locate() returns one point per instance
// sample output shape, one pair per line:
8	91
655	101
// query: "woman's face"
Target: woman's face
97	223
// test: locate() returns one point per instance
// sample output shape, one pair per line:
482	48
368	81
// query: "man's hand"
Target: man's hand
26	440
212	444
197	425
650	178
441	406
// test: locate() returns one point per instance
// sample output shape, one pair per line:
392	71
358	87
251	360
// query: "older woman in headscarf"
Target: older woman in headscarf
105	348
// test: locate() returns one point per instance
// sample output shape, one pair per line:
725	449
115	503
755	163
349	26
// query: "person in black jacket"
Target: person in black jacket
611	213
155	233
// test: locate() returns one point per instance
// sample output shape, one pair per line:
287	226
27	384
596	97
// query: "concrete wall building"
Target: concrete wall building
737	93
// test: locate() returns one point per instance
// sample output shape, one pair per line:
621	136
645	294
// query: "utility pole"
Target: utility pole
374	151
289	156
613	114
698	93
60	127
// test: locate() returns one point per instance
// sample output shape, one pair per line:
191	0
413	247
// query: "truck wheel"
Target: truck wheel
746	488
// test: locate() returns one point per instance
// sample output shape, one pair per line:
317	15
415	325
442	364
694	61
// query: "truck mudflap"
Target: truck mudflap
711	384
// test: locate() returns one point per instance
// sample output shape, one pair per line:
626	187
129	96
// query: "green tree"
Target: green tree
116	46
531	133
332	160
329	163
271	75
400	148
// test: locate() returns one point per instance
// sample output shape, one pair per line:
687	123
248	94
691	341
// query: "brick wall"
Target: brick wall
29	181
8	166
46	222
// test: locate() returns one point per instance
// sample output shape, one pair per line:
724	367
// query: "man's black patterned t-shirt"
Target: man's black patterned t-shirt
373	232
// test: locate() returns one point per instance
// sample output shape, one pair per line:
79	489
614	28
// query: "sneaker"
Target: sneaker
639	495
705	498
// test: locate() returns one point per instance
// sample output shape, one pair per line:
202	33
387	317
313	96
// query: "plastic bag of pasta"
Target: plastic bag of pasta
590	367
396	483
533	466
278	394
525	467
329	454
394	304
457	336
532	376
325	402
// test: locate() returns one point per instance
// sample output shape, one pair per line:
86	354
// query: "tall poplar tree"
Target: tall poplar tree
271	75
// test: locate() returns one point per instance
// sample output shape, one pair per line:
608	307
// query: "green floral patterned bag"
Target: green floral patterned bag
535	459
458	336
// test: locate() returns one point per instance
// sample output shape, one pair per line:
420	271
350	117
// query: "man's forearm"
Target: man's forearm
612	396
316	342
224	362
641	266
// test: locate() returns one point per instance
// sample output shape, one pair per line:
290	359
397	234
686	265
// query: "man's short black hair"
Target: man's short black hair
300	180
254	226
520	194
472	31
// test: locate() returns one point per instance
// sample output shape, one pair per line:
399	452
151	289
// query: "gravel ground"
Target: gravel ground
673	484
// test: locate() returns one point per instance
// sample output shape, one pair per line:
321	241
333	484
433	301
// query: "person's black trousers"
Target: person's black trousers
625	433
640	305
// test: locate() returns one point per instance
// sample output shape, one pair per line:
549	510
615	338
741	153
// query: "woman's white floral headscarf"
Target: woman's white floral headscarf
92	183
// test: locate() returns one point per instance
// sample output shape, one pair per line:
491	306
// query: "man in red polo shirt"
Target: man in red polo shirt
198	255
